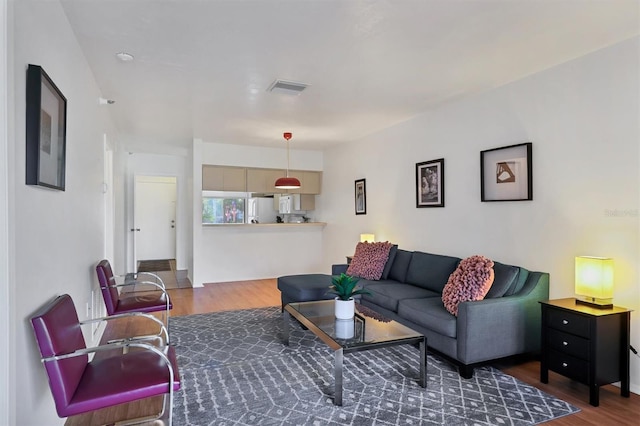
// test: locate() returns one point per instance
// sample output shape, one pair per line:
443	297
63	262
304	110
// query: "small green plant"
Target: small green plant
344	286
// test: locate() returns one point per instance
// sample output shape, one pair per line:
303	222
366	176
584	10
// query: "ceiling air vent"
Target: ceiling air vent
287	87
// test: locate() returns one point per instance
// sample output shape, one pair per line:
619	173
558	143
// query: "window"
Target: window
218	210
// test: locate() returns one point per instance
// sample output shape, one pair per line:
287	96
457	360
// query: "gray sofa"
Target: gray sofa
505	323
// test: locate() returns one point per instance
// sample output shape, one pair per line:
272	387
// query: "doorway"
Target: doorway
154	218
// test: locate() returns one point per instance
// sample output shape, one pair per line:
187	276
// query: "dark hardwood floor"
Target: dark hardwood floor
613	409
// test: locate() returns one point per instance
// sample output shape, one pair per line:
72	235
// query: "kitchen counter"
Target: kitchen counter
239	252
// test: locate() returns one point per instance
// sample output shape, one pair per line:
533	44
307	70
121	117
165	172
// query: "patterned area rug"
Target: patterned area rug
236	371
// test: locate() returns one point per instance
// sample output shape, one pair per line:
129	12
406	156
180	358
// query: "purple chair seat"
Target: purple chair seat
117	303
142	302
79	386
125	378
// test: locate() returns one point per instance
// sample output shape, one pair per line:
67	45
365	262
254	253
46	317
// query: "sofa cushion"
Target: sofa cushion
430	271
519	282
369	260
505	276
388	293
387	266
400	264
470	281
429	313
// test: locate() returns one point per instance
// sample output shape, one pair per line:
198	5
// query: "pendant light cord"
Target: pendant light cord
287	157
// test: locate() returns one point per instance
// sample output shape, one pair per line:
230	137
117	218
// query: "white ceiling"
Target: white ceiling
202	68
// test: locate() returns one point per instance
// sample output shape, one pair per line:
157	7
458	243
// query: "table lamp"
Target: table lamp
594	281
367	238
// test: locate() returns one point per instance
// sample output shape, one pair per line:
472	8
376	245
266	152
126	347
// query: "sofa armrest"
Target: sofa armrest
338	269
495	328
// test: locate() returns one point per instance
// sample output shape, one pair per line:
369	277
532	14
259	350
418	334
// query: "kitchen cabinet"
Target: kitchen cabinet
307	202
586	344
263	180
222	178
257	180
310	182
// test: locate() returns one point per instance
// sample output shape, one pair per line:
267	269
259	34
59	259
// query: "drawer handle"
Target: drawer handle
565	322
564	343
564	364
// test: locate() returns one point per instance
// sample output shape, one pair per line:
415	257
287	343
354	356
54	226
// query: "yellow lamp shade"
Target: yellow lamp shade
594	280
367	238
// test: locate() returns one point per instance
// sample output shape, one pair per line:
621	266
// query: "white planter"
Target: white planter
345	328
345	309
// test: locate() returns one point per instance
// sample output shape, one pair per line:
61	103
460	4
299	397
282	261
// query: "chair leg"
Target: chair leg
165	415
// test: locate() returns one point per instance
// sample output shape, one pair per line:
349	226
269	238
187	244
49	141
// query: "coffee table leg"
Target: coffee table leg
337	399
285	326
423	362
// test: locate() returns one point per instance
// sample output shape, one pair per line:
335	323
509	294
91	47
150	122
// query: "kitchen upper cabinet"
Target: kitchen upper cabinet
221	178
310	182
242	179
263	180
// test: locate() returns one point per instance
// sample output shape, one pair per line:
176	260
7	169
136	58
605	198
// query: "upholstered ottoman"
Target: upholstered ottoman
304	288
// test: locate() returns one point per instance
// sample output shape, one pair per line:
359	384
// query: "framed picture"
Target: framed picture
46	131
506	173
361	196
430	183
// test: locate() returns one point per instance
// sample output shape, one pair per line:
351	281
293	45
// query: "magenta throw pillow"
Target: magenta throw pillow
471	280
369	260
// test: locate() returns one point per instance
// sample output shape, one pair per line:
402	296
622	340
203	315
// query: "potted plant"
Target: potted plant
344	287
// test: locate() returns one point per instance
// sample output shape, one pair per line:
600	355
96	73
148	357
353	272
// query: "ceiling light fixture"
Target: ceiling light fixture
124	56
287	182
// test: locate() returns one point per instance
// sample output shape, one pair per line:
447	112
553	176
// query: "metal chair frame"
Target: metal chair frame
132	280
123	346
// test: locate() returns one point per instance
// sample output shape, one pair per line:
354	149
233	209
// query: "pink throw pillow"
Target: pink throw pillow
471	280
369	260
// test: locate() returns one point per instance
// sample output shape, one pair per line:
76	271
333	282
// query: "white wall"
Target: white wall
7	377
582	118
259	156
242	253
57	237
162	165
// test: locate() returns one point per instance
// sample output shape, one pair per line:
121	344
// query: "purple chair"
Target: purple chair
118	303
79	386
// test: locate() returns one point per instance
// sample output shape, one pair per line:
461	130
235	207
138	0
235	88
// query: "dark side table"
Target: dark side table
586	344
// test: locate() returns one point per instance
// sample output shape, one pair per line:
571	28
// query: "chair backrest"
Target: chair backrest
110	294
57	330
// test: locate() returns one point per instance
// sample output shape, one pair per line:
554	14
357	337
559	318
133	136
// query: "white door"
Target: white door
155	217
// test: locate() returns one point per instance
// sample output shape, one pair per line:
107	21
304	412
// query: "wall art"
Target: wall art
361	196
46	130
506	173
430	183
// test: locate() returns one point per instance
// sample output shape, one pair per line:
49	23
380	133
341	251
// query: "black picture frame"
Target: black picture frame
506	173
46	131
360	195
430	183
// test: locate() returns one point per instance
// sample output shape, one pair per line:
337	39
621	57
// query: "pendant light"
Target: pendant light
287	182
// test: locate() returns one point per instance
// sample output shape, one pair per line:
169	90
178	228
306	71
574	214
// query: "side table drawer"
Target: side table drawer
568	344
568	322
569	366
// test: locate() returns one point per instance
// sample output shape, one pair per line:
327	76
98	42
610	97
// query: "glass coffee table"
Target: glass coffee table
368	330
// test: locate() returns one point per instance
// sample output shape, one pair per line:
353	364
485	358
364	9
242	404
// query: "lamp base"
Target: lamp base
595	302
